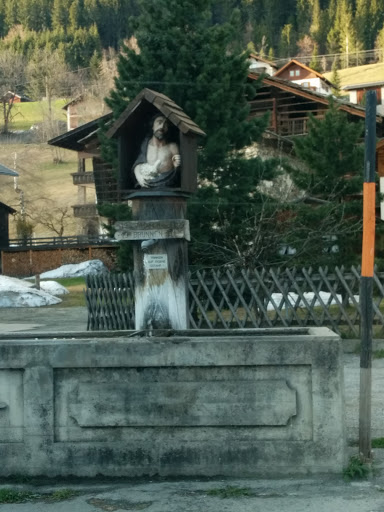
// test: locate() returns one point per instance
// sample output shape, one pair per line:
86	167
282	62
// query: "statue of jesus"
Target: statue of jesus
159	159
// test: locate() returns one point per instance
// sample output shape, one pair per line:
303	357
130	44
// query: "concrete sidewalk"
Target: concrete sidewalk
321	494
314	494
48	319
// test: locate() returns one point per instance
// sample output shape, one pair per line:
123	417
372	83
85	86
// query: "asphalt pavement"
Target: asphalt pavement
325	493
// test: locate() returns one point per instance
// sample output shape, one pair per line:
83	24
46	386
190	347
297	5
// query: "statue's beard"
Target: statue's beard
159	134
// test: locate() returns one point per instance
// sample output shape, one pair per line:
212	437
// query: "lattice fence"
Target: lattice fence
249	298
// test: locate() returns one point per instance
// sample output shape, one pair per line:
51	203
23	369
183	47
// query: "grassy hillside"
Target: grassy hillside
26	115
44	183
360	74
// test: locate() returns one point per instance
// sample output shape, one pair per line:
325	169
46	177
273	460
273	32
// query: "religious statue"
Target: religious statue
159	159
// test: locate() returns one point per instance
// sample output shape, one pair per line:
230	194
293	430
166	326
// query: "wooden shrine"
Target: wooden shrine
157	145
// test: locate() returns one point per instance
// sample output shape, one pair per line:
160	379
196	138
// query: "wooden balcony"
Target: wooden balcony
83	178
85	211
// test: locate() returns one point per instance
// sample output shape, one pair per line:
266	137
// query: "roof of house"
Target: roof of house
305	92
294	62
261	59
7	208
7	172
72	102
163	104
11	94
353	87
73	139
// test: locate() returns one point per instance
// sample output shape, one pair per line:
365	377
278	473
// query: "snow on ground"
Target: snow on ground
53	288
85	268
19	293
16	293
294	300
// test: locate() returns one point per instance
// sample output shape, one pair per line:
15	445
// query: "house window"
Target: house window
291	73
297	72
306	84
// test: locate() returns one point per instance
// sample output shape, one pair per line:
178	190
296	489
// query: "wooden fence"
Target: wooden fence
249	298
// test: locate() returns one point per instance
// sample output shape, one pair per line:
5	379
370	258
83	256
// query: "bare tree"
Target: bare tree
12	81
54	218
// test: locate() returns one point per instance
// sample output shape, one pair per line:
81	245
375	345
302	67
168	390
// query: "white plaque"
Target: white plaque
155	261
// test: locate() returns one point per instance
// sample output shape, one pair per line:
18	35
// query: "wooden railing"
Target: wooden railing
249	298
83	178
85	210
59	241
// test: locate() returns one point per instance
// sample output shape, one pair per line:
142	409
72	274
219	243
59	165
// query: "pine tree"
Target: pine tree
194	62
315	64
60	14
335	79
334	156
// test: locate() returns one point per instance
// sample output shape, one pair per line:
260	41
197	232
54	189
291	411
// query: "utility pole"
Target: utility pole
366	287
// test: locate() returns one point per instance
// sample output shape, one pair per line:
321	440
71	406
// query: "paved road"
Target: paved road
320	494
48	319
289	495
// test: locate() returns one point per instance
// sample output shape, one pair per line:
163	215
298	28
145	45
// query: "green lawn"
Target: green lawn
28	114
75	297
360	74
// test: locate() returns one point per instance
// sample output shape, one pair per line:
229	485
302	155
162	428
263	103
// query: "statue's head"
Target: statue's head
160	126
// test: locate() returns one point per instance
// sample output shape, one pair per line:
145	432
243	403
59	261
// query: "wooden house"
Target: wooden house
357	93
13	97
83	109
92	173
5	212
300	74
289	106
260	65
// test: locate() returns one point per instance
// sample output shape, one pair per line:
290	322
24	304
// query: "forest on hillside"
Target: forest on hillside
81	29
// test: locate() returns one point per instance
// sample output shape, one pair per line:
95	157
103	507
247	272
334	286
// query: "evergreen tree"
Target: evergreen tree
194	62
334	156
11	13
60	14
315	64
335	79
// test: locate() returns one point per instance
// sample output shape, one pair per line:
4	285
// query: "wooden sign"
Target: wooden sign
153	229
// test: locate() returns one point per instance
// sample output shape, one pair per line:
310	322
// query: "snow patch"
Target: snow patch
85	268
15	293
53	288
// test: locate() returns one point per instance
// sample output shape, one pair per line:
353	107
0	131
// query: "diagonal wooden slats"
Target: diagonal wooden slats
247	298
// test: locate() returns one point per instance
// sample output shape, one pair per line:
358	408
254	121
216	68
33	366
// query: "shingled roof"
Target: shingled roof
7	172
165	105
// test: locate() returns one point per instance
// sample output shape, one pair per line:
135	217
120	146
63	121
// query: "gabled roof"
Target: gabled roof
72	102
74	138
163	104
294	62
261	59
7	208
353	87
7	172
304	92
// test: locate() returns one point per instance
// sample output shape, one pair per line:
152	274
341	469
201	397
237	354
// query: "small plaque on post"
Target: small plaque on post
155	261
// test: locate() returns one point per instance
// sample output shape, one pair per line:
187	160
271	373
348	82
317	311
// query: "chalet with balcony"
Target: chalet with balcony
300	74
85	142
288	104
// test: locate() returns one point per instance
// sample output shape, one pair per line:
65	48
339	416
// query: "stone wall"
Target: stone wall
266	403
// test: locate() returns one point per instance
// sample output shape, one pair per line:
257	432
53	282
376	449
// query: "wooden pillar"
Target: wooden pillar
160	267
